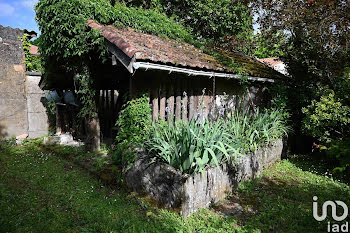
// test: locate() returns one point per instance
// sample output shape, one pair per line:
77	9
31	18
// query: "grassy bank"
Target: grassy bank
43	192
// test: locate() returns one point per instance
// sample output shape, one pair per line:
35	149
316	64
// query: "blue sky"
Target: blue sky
18	14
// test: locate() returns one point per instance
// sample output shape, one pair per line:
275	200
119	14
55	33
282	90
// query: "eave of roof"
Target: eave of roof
130	46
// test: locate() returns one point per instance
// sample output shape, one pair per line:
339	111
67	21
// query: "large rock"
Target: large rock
187	194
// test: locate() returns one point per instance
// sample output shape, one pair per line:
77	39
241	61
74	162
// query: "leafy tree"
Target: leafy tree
211	19
316	48
270	46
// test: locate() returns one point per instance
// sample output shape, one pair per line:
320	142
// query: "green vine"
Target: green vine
32	63
86	93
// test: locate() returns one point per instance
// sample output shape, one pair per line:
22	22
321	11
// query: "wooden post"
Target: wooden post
184	101
214	96
155	103
171	98
196	102
58	120
178	101
94	133
191	111
162	101
207	103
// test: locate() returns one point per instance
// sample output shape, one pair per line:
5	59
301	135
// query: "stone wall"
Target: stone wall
13	105
22	109
187	194
36	105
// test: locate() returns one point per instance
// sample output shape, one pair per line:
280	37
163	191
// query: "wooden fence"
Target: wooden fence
184	102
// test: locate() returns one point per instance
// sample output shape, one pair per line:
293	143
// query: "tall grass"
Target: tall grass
193	146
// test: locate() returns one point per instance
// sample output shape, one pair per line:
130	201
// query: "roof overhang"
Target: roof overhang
131	64
192	72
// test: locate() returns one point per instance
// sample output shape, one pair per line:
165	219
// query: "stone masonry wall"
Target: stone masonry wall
37	117
13	105
187	194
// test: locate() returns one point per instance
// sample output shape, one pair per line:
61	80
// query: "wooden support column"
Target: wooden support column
185	102
196	96
162	101
58	119
155	104
171	98
178	100
191	110
94	133
207	103
214	96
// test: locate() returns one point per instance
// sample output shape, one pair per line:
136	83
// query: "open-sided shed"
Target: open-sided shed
179	78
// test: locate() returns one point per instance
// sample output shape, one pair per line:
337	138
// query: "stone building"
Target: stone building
22	110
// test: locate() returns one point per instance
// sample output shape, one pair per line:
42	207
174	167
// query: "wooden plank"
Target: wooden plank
213	106
196	103
162	102
171	98
58	119
178	101
155	104
206	104
185	102
191	111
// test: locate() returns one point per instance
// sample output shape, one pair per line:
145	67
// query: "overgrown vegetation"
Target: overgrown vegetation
193	146
33	63
133	128
313	38
327	118
207	19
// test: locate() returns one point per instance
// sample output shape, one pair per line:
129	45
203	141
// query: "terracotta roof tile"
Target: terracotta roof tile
145	47
153	48
271	61
34	50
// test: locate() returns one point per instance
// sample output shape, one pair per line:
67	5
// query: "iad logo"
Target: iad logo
332	227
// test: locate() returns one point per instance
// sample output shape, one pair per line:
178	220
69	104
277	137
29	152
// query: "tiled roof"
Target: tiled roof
34	50
145	47
271	61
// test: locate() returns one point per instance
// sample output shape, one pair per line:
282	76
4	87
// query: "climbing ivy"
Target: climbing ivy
33	63
68	42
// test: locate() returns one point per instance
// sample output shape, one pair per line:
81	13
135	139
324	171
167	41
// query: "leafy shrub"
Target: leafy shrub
134	121
133	127
327	118
340	150
193	146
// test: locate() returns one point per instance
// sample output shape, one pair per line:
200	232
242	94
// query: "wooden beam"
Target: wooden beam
178	101
58	119
155	104
162	101
214	96
184	101
171	98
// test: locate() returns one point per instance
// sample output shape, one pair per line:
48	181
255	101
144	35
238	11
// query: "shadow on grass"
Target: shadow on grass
40	192
281	199
319	164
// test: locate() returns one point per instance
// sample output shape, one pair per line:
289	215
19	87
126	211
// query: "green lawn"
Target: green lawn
43	192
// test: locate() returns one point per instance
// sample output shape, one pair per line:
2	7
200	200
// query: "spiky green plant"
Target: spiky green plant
198	144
